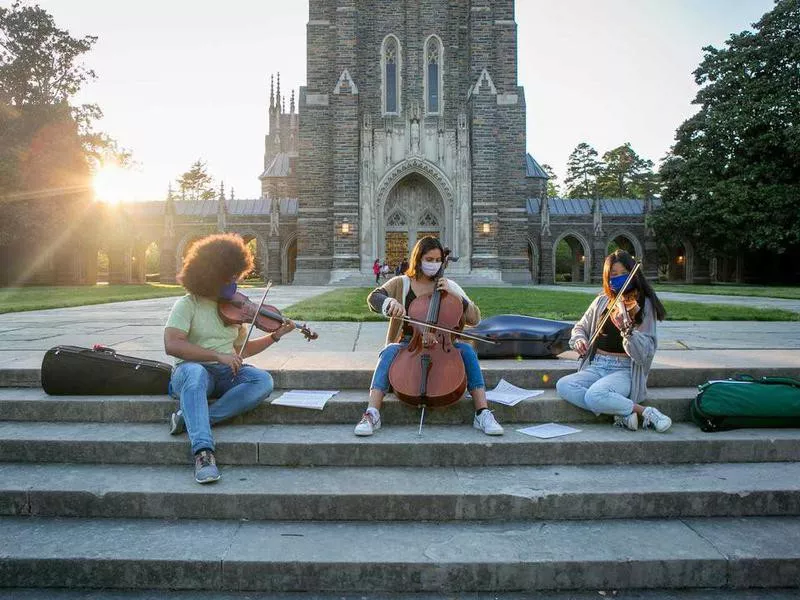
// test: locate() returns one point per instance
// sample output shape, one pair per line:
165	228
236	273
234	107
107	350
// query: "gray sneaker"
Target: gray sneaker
176	423
630	422
205	467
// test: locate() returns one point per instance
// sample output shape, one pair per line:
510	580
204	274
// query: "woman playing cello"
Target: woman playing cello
393	300
612	374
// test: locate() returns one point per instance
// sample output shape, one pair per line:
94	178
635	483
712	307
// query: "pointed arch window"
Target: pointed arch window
434	59
390	71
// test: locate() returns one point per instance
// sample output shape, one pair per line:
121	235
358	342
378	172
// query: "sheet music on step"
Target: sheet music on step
314	399
509	394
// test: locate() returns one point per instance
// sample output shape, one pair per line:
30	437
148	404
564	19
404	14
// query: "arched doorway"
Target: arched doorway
533	261
623	242
289	260
152	262
571	259
413	209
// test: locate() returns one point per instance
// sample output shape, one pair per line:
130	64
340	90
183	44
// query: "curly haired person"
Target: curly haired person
208	353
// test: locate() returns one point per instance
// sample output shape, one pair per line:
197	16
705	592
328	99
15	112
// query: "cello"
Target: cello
433	375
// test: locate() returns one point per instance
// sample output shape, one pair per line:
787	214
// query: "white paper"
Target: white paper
509	394
548	430
315	399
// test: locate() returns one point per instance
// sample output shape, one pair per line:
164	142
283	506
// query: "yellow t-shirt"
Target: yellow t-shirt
198	317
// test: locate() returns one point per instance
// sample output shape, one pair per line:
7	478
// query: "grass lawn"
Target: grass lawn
349	304
731	289
39	297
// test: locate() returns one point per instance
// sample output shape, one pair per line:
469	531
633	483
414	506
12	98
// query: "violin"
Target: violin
431	375
240	309
615	304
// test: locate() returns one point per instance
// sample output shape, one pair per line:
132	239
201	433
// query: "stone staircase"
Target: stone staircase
95	494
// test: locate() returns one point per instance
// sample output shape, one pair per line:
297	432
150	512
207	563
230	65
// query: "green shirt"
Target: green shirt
198	317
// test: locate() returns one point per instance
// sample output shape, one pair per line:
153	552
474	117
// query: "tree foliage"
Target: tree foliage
732	180
583	168
553	190
625	174
196	183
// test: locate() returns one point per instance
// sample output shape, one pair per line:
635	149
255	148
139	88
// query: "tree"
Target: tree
47	145
552	186
732	179
583	167
625	174
196	183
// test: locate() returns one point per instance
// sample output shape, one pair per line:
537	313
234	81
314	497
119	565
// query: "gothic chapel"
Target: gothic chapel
411	123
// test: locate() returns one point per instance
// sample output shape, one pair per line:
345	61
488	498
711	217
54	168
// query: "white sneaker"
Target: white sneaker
487	423
652	417
369	423
630	422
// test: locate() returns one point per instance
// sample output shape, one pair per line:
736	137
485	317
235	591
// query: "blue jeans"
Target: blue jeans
602	387
194	383
380	379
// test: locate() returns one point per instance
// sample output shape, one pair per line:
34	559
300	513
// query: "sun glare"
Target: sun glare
112	184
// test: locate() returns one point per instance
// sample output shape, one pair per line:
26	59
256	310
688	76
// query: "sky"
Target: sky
181	80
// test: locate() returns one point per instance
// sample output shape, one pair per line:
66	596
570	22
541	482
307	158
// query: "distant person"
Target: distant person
209	353
376	270
385	270
612	375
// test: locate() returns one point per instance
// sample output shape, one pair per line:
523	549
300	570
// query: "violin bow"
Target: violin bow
255	316
453	331
612	306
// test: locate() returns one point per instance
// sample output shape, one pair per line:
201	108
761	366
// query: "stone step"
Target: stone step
671	594
440	445
353	370
351	557
403	493
32	404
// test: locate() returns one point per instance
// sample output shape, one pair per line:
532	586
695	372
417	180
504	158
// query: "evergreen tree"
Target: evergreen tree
583	167
553	190
196	183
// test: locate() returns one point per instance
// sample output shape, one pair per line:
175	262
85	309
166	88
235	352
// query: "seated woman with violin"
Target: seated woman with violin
394	300
209	352
617	349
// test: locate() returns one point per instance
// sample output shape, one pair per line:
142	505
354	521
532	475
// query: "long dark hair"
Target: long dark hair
639	284
423	246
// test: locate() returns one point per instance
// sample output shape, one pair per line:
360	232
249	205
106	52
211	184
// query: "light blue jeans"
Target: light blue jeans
380	379
194	383
602	388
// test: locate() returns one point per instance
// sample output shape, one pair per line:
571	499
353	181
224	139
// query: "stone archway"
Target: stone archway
453	222
289	259
581	256
627	241
533	260
413	209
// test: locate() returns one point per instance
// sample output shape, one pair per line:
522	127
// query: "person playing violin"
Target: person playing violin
392	300
612	374
208	353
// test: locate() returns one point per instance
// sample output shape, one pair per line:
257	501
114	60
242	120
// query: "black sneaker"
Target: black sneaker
176	423
205	467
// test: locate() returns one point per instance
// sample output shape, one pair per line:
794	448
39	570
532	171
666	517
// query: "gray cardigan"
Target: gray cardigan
639	342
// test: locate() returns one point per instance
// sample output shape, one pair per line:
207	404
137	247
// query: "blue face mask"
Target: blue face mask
227	291
616	283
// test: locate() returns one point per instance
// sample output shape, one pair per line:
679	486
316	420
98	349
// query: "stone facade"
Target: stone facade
411	122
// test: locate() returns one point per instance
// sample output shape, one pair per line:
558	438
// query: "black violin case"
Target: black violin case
520	336
72	370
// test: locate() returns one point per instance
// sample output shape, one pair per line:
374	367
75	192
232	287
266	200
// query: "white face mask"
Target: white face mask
431	268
